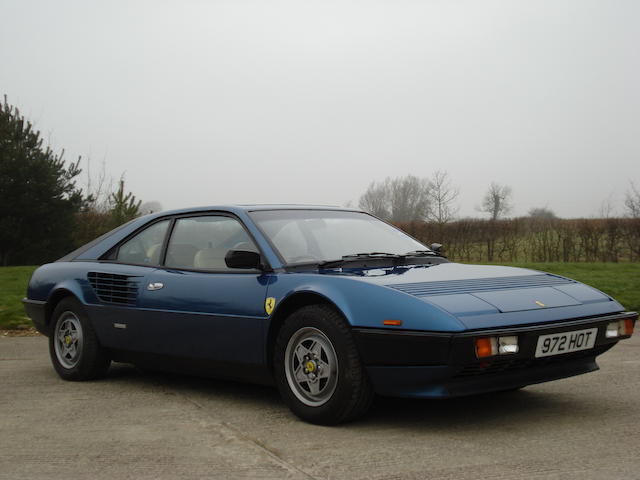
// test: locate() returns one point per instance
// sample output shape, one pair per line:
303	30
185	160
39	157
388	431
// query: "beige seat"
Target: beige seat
153	254
211	259
245	246
181	255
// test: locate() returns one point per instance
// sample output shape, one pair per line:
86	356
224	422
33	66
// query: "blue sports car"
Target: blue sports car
332	305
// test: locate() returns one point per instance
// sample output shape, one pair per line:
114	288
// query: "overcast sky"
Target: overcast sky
209	102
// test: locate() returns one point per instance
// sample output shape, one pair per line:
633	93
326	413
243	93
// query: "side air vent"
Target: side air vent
451	287
114	289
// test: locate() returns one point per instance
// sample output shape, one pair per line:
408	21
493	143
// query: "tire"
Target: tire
510	390
75	351
317	367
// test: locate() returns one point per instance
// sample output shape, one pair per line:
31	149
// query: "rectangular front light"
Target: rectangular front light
620	328
507	345
486	347
613	330
490	346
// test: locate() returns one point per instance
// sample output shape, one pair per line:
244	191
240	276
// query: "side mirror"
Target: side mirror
436	247
242	259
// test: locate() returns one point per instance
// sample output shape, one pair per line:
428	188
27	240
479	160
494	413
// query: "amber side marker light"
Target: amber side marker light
629	324
392	323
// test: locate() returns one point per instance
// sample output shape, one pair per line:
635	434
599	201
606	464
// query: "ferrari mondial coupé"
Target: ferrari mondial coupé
332	305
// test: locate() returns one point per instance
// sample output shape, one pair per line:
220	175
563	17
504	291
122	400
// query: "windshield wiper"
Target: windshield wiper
379	259
420	253
361	256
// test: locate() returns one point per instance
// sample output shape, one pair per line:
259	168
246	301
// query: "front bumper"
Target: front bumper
35	310
435	365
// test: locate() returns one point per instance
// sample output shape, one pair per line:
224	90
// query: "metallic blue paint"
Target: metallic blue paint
221	316
365	304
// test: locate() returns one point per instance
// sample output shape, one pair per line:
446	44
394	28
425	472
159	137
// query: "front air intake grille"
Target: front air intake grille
451	287
114	289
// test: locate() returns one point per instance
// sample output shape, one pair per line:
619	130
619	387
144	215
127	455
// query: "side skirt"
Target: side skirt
251	373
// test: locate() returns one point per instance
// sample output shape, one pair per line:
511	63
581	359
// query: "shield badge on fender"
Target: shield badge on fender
269	305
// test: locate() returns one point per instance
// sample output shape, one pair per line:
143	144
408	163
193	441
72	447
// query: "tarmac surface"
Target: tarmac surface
157	426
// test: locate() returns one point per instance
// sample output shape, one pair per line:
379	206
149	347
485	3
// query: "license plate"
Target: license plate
566	342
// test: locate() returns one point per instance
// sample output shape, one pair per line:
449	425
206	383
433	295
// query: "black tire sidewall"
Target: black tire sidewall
336	408
92	358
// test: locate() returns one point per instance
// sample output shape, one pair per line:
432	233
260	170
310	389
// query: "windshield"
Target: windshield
314	236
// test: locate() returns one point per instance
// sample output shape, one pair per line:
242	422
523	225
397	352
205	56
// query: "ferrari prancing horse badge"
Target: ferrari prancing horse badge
269	305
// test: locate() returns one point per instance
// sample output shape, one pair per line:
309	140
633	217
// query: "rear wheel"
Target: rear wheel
73	344
317	367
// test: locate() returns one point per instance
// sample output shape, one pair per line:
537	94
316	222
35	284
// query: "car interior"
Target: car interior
196	242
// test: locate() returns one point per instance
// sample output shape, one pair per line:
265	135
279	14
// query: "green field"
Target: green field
13	286
620	280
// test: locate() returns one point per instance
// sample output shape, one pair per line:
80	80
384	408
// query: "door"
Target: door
197	307
117	286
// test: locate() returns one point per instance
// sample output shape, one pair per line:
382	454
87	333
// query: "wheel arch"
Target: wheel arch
286	307
54	299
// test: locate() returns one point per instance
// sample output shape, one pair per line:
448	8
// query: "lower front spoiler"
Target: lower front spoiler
441	382
35	310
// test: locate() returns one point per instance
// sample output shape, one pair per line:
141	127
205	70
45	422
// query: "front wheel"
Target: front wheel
317	367
73	345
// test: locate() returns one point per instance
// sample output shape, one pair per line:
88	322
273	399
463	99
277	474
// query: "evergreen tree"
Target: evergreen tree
124	207
38	194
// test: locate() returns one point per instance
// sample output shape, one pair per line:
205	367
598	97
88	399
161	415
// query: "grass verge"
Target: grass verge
13	287
620	280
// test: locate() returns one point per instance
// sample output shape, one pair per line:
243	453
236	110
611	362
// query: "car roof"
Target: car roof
254	207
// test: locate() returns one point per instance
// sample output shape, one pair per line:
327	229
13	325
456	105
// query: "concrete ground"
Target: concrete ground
156	426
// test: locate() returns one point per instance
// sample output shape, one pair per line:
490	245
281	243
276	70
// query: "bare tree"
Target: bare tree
402	199
632	202
542	213
376	200
607	208
152	206
442	196
497	201
409	198
98	189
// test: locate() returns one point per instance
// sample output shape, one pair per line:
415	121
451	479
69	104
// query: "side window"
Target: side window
203	242
145	247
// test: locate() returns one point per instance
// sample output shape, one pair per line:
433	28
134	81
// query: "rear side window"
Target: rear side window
145	247
202	242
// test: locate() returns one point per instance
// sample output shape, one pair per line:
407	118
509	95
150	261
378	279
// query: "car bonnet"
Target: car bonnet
469	291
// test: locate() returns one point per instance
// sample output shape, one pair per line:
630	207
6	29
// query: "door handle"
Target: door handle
155	286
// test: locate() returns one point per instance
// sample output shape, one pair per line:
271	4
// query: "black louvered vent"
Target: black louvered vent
113	288
425	289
